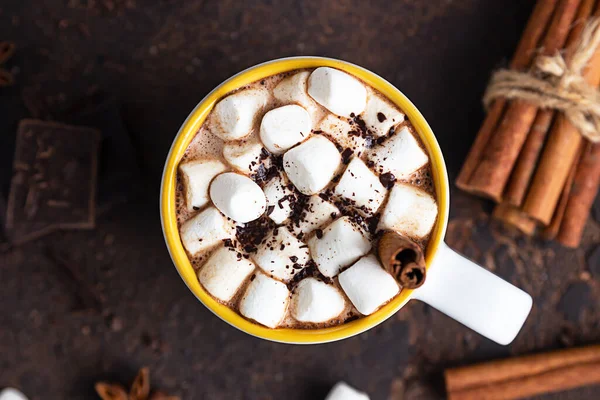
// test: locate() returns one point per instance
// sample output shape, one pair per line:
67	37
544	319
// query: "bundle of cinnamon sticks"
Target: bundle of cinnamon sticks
533	162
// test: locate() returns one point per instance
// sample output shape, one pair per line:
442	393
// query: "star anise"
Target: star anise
6	51
140	389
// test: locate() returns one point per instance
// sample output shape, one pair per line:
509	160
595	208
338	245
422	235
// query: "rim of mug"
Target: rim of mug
190	127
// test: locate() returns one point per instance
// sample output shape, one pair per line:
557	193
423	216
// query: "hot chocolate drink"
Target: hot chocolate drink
285	190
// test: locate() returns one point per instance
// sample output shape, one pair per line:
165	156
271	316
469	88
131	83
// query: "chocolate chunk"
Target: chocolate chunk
54	181
293	259
381	117
319	233
387	180
346	154
270	209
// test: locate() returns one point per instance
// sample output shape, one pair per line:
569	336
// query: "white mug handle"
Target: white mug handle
474	296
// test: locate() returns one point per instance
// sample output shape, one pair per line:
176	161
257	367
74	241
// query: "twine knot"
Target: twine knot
557	84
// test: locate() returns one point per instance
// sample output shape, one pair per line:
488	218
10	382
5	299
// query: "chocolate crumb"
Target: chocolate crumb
282	247
381	117
293	259
319	233
270	209
196	208
387	180
346	154
252	277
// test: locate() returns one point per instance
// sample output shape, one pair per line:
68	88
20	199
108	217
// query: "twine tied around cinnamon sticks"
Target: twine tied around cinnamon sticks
553	83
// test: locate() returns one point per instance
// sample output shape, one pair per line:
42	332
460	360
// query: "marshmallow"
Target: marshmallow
337	91
342	133
284	127
380	115
233	117
278	199
224	272
362	186
401	155
409	211
318	213
205	230
265	301
12	394
343	391
342	244
293	90
282	255
245	156
238	197
316	301
311	165
367	285
196	176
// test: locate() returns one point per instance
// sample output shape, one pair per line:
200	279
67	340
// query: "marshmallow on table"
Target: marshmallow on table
245	156
316	301
282	255
340	93
233	117
265	300
278	199
318	213
12	394
224	272
362	186
409	211
380	115
343	391
196	176
205	230
342	133
284	127
342	244
311	165
400	154
293	90
238	197
367	285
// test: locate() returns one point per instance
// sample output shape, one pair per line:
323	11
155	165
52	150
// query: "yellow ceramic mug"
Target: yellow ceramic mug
462	290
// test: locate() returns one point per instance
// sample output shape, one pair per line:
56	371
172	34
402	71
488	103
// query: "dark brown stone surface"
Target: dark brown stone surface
159	58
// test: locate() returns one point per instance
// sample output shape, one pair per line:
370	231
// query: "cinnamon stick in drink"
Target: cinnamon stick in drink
525	376
492	173
528	158
402	258
532	36
584	190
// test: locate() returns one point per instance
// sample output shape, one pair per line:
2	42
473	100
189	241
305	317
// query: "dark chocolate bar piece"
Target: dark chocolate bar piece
54	180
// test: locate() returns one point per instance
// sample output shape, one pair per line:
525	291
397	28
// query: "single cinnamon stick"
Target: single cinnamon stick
528	158
525	376
558	156
514	217
583	193
402	258
550	232
532	36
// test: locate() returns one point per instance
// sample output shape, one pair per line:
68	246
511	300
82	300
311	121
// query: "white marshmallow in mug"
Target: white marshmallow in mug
368	285
265	300
224	272
233	117
380	115
316	301
343	391
341	244
359	184
284	127
311	165
205	230
278	199
293	90
196	176
238	197
401	155
318	213
409	211
340	93
281	255
244	155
